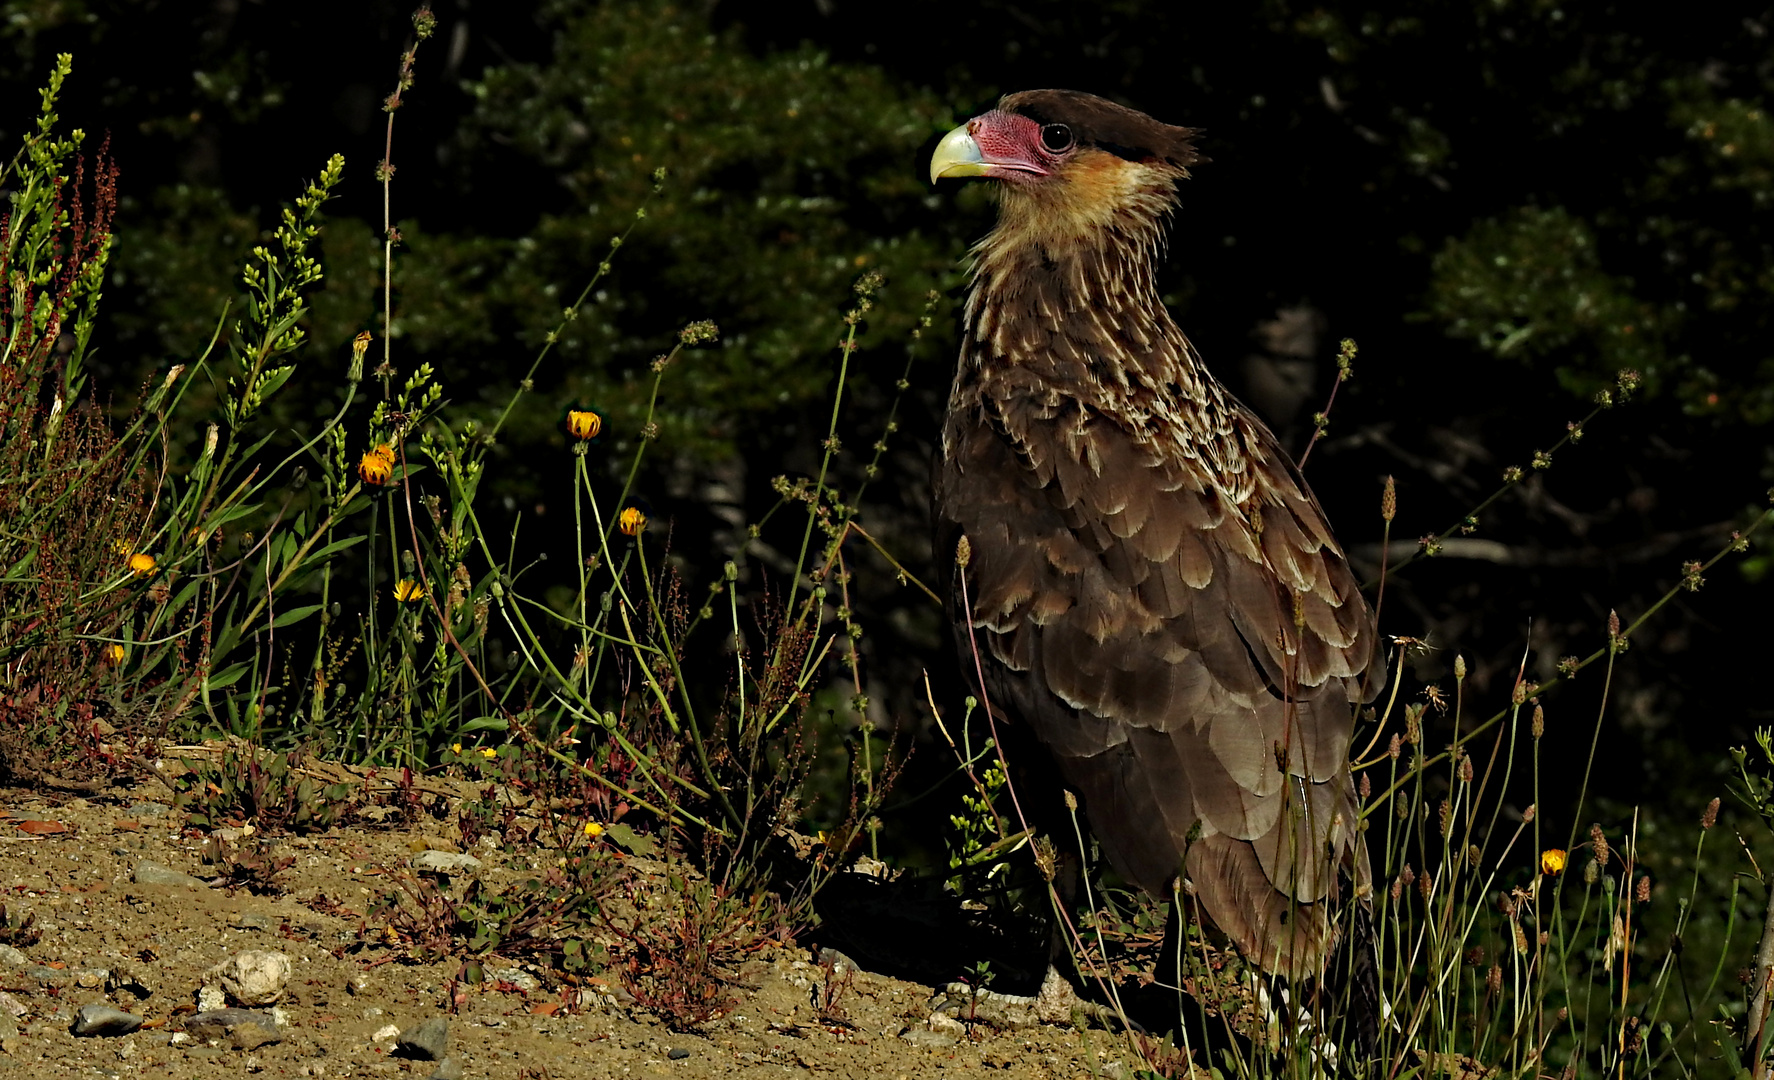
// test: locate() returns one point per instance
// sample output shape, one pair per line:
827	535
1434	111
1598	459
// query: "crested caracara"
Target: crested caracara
1151	585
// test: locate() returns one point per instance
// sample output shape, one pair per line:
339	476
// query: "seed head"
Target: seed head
699	333
1644	889
1389	500
1598	842
359	345
1539	723
1711	816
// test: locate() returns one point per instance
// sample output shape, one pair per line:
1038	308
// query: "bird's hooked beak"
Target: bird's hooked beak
957	155
1006	152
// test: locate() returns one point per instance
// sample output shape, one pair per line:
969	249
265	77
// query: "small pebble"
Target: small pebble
222	1023
924	1037
152	873
444	862
425	1041
447	1069
103	1020
677	1053
252	977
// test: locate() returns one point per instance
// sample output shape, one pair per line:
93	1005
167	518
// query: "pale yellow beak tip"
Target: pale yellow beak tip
956	155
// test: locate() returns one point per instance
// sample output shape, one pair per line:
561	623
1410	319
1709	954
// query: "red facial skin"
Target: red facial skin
1010	147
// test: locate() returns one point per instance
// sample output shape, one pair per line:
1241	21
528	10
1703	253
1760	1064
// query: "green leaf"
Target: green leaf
228	677
483	723
273	380
328	550
294	615
627	838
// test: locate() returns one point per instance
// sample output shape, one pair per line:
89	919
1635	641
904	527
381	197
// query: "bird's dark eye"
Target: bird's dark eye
1056	138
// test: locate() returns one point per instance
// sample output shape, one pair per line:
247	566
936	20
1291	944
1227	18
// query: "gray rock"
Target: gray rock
427	1041
447	1069
930	1040
103	1020
444	862
11	957
251	1036
223	1023
517	977
146	809
677	1053
251	977
252	922
152	873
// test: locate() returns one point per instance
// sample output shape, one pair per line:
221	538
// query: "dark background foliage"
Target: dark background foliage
1504	202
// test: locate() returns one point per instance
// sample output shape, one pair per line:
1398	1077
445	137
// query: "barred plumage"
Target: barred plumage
1153	587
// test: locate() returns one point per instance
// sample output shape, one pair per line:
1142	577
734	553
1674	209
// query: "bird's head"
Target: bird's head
1069	164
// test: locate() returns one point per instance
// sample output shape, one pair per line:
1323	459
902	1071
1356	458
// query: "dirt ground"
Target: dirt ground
144	948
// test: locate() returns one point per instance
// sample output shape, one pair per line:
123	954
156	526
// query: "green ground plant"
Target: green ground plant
209	604
164	581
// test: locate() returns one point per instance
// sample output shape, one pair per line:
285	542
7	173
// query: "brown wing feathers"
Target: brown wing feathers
1154	590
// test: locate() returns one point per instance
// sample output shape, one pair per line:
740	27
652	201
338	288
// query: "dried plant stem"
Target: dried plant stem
1755	1040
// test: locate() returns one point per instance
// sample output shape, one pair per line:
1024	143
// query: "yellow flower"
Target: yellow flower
113	654
377	466
593	830
583	423
141	563
1552	861
456	748
407	591
632	520
360	344
488	752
